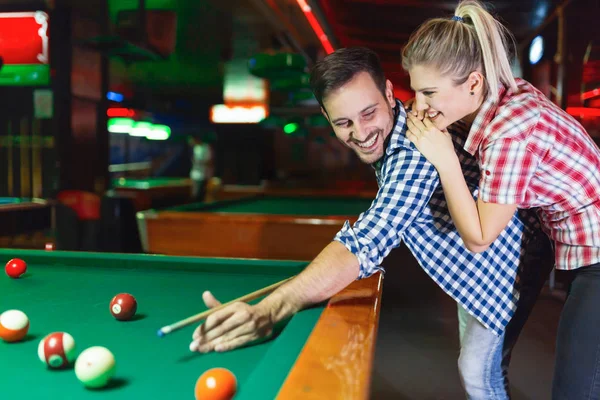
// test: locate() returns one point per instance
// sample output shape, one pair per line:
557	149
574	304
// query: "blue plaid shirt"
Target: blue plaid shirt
410	206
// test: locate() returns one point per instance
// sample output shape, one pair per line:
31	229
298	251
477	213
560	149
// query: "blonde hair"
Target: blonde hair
472	40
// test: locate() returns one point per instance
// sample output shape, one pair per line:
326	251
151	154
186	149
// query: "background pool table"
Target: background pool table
271	227
322	352
154	192
24	215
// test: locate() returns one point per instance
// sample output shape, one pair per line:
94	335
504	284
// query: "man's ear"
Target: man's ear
389	93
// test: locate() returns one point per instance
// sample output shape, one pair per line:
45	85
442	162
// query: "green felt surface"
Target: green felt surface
70	292
316	206
147	183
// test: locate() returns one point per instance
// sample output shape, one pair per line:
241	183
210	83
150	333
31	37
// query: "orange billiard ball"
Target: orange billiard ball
14	325
123	306
15	268
216	384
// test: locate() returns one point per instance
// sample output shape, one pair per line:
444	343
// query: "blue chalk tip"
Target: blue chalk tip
160	333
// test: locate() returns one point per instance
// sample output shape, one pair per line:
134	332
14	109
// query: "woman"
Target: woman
531	154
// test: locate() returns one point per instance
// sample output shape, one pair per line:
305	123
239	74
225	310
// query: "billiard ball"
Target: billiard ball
216	384
15	268
95	366
123	306
14	325
57	350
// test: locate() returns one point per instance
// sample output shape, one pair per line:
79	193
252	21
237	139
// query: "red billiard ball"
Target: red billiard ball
15	268
57	350
216	384
123	306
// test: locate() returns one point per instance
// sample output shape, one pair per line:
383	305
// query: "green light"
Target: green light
25	75
120	125
290	128
159	132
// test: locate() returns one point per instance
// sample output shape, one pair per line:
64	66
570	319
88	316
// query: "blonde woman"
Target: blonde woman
531	154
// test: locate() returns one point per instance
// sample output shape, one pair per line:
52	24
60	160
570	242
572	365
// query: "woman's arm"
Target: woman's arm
478	223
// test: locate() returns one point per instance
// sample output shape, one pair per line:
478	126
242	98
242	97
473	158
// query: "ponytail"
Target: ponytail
472	40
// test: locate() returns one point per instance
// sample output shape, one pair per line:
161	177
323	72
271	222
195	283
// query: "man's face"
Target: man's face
361	116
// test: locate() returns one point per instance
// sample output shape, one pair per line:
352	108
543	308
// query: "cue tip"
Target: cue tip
162	332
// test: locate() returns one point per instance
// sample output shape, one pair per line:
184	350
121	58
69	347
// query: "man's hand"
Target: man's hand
231	327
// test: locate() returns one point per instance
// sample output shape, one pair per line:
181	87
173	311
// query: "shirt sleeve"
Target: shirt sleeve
402	196
507	165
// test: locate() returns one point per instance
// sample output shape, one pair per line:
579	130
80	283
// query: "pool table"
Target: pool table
154	192
324	352
230	192
262	226
24	215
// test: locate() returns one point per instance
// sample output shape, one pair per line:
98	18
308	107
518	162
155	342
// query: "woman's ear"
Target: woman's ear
476	82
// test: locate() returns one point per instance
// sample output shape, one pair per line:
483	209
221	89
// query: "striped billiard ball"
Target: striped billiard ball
57	350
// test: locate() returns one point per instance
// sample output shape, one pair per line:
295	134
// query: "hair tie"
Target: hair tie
457	18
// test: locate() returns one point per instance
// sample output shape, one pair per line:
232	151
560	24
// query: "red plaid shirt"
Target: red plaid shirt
533	154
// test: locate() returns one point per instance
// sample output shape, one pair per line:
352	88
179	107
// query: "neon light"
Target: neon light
120	112
141	129
119	125
224	114
316	26
591	94
290	128
159	132
24	37
114	96
583	112
25	75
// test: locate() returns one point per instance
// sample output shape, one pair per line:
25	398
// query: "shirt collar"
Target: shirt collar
397	137
485	115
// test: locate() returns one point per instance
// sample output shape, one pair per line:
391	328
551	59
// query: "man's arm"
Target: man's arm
330	272
404	193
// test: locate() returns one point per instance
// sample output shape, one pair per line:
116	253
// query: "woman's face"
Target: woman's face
440	99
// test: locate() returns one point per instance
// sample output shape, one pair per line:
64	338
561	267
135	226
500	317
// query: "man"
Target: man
359	103
202	167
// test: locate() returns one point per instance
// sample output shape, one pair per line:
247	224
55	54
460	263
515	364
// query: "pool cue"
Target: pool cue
165	330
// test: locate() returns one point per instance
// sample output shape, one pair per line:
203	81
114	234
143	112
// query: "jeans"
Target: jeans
577	368
484	356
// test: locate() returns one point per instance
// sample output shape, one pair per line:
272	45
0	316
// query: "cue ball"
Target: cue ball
15	268
123	306
57	350
95	366
14	325
216	384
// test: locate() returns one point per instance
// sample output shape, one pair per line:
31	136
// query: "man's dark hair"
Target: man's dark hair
341	66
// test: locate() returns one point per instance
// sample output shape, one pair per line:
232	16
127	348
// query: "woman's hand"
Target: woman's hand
434	144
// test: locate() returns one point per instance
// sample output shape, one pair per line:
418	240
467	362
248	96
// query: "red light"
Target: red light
314	23
583	112
591	94
120	112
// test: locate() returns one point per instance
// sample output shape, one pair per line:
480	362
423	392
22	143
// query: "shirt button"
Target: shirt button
487	173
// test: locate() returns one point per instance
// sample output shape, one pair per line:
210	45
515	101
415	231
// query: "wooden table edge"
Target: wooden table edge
310	377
